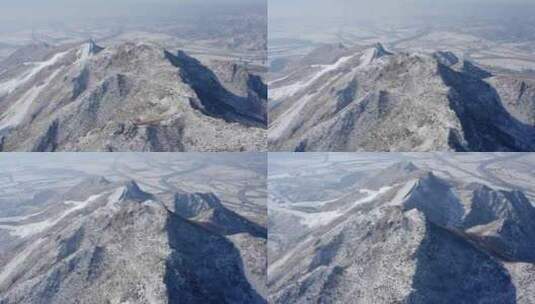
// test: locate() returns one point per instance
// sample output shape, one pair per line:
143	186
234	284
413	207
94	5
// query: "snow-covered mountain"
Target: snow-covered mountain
417	237
108	242
128	97
376	100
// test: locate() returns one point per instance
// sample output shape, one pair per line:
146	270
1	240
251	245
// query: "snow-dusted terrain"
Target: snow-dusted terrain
501	40
401	228
133	228
373	99
176	77
427	86
128	96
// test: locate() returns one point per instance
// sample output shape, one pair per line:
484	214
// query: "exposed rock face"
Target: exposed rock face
446	58
518	96
120	245
425	240
208	209
214	99
128	97
374	100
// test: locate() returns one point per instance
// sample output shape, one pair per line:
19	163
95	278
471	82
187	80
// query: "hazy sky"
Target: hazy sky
380	8
24	11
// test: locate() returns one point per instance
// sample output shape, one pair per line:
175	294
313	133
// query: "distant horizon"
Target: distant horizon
28	13
394	8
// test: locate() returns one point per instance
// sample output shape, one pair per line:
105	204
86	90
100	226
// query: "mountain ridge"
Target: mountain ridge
358	104
125	237
128	96
426	238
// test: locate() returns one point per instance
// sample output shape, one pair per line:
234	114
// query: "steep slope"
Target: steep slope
425	240
518	96
497	220
122	246
127	97
207	210
374	100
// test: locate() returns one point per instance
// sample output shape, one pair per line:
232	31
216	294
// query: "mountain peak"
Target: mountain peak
93	48
375	52
207	209
381	51
133	192
430	180
87	50
446	58
190	205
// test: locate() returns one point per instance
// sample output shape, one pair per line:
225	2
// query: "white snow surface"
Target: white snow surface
11	85
292	89
371	195
315	203
368	57
19	218
83	54
316	219
402	193
13	264
26	230
18	110
284	122
115	198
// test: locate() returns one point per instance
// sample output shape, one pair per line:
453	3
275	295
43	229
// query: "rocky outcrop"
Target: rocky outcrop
215	100
207	209
518	96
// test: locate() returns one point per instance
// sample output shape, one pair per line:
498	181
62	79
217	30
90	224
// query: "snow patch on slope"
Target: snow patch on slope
115	198
402	193
19	218
12	266
292	89
85	52
367	57
18	111
290	117
26	230
310	220
312	203
372	194
372	54
11	85
316	219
